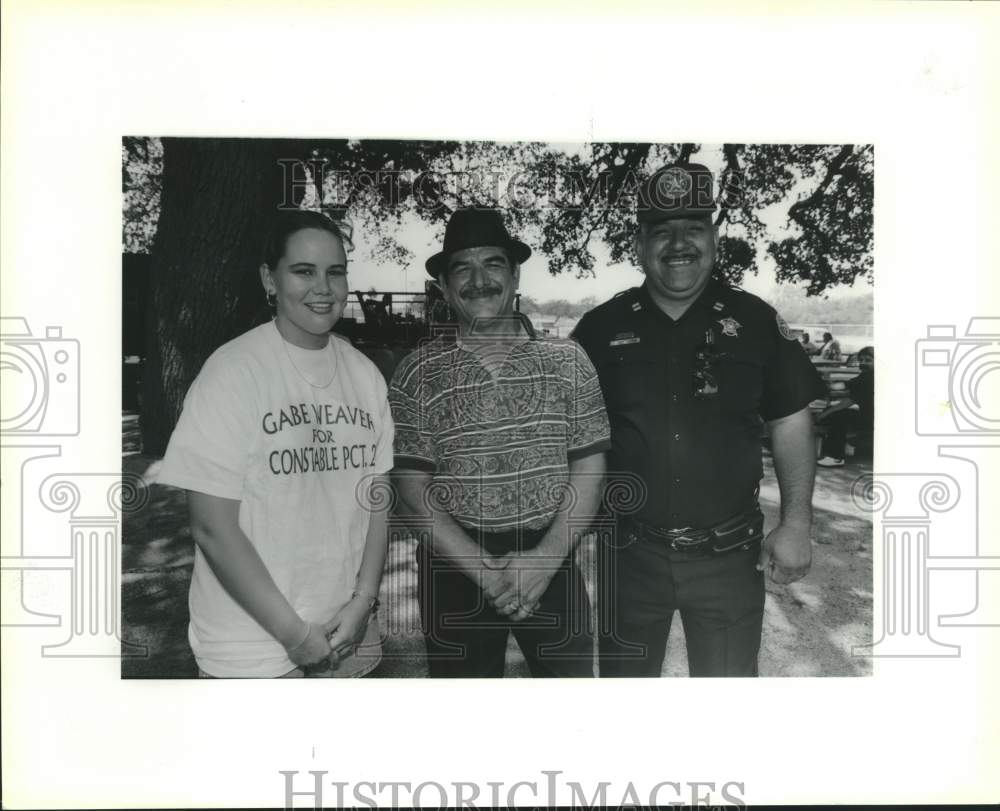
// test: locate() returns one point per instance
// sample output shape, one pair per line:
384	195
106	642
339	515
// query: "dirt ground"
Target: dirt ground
810	628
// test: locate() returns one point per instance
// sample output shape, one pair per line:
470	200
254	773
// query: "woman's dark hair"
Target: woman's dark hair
827	337
286	223
867	350
805	337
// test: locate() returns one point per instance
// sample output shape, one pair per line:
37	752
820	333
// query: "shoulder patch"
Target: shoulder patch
783	328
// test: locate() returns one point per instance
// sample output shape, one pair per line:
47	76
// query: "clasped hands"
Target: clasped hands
334	639
514	583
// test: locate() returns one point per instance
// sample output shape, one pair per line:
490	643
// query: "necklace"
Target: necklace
327	351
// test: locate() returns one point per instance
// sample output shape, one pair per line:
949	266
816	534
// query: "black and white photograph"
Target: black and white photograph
474	405
484	409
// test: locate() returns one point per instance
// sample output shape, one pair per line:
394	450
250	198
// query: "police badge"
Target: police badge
730	327
674	182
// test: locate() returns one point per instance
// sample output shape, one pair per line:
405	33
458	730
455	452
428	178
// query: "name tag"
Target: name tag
623	341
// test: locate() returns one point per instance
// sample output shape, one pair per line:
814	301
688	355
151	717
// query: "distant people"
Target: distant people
830	349
288	556
807	345
377	312
840	416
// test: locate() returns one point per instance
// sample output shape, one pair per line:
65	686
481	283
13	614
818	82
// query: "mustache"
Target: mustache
481	292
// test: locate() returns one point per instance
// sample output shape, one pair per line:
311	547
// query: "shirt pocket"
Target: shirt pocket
627	378
741	386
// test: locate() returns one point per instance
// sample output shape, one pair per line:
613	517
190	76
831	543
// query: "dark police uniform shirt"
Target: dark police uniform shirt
700	459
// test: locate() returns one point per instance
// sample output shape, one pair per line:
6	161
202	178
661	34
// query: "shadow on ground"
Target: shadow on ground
810	627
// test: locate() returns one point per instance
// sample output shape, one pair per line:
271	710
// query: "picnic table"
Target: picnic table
835	375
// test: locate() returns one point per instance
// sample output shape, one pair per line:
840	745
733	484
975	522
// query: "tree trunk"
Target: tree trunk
217	198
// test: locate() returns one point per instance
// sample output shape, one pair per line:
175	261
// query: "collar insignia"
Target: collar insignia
718	306
636	306
730	327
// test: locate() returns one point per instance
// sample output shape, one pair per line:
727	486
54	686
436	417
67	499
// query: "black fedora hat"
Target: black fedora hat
475	228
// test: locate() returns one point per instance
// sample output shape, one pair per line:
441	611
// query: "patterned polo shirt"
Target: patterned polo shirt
498	436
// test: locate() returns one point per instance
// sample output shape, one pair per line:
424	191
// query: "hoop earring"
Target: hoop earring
271	298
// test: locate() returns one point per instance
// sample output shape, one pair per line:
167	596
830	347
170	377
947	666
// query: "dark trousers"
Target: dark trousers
466	638
720	598
837	426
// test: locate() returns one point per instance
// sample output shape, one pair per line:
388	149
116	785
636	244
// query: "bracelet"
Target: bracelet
373	602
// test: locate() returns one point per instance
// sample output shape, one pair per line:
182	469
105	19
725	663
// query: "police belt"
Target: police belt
737	532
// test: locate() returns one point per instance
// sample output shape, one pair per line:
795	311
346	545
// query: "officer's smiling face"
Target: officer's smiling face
480	283
677	256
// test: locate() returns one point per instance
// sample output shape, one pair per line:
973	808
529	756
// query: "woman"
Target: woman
284	435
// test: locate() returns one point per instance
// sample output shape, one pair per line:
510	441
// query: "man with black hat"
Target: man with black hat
691	369
499	455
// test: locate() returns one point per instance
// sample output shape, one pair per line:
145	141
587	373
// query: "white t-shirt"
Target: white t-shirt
294	435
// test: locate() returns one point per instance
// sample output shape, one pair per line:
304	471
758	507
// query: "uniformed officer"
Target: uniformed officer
691	371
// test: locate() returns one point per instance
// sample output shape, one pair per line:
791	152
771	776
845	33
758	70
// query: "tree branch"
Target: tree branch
731	152
831	172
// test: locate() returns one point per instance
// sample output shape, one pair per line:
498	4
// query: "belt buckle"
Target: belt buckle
683	542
